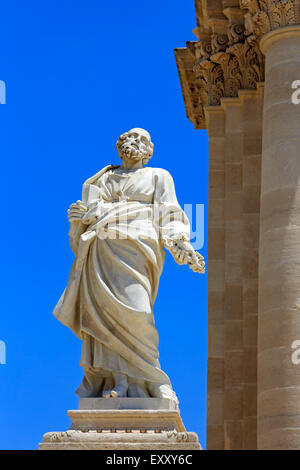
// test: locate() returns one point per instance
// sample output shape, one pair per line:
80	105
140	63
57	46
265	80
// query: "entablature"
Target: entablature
226	56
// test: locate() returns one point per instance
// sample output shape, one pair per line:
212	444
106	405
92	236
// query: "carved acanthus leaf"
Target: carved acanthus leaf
227	57
231	73
262	16
251	63
211	79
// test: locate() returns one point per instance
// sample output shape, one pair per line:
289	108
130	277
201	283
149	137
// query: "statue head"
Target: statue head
135	145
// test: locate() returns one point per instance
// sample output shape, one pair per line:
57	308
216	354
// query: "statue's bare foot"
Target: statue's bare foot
120	388
107	387
163	391
119	391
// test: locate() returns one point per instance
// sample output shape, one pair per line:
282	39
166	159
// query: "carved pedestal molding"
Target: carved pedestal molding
237	83
123	424
120	440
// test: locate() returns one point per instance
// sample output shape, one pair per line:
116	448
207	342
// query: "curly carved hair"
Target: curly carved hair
150	147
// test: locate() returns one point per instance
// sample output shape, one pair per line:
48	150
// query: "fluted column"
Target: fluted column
279	251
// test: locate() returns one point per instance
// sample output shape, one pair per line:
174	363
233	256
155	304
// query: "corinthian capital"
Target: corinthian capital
262	16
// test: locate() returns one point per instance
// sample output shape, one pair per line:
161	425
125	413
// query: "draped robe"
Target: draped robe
108	301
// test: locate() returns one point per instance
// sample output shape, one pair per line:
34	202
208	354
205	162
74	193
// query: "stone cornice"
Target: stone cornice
226	57
189	86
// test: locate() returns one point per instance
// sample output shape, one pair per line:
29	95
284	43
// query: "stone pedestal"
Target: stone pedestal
123	424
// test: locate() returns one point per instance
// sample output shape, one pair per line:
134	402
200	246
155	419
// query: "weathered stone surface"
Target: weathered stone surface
127	404
239	45
122	429
279	276
110	440
122	419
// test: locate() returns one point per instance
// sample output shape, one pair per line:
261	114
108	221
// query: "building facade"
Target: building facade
239	81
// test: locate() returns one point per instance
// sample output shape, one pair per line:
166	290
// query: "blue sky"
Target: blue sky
78	74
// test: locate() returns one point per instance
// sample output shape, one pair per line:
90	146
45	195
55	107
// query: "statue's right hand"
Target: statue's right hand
77	211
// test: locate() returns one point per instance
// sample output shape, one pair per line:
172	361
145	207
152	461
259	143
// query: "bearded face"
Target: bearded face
135	145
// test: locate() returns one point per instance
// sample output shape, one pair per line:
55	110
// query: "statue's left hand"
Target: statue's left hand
76	211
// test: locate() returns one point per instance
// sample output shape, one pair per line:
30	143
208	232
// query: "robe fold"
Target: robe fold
108	301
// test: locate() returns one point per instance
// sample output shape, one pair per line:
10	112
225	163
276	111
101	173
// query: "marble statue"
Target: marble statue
127	215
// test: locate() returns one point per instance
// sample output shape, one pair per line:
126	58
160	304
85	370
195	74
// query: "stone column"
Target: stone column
234	130
233	318
216	278
279	266
252	147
